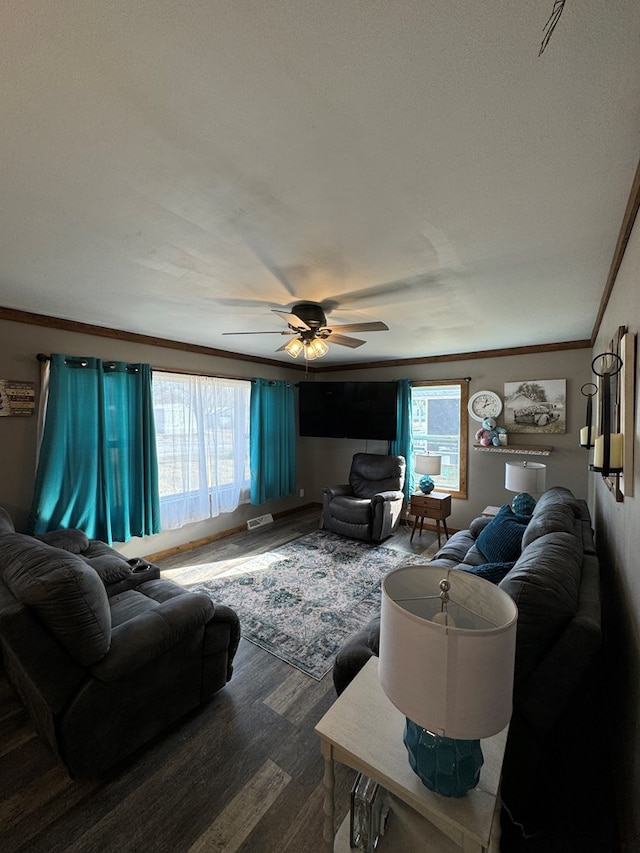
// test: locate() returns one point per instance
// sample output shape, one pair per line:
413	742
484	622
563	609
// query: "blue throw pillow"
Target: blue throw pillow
493	572
501	540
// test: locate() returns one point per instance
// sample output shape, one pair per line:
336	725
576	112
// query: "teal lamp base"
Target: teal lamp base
523	504
426	484
447	766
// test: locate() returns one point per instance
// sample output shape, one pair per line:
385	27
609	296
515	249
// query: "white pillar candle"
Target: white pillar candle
615	454
584	436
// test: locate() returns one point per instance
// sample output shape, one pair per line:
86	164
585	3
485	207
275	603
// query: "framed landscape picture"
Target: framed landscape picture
536	406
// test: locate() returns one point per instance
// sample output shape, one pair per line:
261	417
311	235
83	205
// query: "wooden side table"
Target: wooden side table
435	505
363	730
491	511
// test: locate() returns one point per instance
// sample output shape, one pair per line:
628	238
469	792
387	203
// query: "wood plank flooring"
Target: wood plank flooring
242	775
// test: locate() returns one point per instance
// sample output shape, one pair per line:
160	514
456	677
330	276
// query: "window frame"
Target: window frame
463	384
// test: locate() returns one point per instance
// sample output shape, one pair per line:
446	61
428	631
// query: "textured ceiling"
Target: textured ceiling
179	169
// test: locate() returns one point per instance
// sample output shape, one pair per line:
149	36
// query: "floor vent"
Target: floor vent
260	521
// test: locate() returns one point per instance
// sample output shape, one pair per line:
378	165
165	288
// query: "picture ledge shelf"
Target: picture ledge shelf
523	449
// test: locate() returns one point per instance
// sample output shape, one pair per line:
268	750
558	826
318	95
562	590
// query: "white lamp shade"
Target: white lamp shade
457	681
525	477
424	464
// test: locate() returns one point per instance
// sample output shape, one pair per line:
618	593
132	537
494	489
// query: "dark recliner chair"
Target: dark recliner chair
370	505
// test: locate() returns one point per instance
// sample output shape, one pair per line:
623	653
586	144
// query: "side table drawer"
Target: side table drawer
433	506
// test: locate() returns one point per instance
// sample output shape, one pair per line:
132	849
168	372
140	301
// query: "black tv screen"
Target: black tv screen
348	409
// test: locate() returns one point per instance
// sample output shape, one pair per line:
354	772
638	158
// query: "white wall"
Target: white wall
617	528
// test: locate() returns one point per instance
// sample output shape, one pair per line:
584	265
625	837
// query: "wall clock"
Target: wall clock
484	404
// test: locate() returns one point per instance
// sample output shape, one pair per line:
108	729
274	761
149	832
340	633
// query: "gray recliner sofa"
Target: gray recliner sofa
103	652
554	579
369	506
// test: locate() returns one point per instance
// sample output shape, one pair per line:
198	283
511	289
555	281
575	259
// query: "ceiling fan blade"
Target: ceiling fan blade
360	327
292	319
267	332
344	341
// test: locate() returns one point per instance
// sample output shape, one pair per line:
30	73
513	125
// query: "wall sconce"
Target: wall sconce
588	433
608	446
613	436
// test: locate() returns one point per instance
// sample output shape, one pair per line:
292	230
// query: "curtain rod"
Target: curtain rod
107	365
42	357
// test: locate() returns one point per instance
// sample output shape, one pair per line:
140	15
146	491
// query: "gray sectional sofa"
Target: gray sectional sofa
548	564
103	652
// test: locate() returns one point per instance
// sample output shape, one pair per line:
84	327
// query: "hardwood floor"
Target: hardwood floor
243	774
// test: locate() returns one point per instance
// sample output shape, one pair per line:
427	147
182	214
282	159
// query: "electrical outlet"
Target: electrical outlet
301	493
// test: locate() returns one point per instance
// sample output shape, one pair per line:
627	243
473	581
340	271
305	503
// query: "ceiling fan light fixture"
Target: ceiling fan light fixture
294	347
309	352
319	347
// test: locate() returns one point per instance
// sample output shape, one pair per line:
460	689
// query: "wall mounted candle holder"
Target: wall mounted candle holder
613	437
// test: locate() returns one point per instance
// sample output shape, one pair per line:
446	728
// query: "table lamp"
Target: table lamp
447	649
524	478
427	466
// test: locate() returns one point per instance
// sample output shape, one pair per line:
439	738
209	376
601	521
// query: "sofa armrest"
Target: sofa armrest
145	637
337	490
354	654
31	653
223	634
390	495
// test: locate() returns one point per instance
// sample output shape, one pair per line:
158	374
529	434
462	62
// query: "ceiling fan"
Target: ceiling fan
309	330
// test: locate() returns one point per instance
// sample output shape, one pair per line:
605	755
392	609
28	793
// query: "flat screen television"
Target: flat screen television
365	410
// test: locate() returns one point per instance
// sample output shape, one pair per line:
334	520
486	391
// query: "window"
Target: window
439	426
202	438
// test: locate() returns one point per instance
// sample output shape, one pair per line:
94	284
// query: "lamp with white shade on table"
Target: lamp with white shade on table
447	651
527	479
427	466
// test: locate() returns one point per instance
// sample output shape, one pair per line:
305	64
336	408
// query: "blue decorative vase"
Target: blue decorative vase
426	484
447	766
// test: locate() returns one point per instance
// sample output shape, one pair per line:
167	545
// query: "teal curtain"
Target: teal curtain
272	440
403	444
97	468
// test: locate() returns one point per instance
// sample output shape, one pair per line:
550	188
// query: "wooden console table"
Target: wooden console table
363	730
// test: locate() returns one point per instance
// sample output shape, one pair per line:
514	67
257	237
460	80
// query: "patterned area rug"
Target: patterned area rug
301	601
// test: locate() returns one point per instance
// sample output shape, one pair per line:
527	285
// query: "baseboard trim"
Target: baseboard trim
222	534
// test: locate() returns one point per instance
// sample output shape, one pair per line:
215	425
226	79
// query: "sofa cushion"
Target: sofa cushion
556	496
493	572
501	540
554	519
72	540
351	510
67	596
110	568
372	473
544	583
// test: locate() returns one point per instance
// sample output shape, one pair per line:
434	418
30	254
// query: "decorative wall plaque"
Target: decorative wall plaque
17	398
